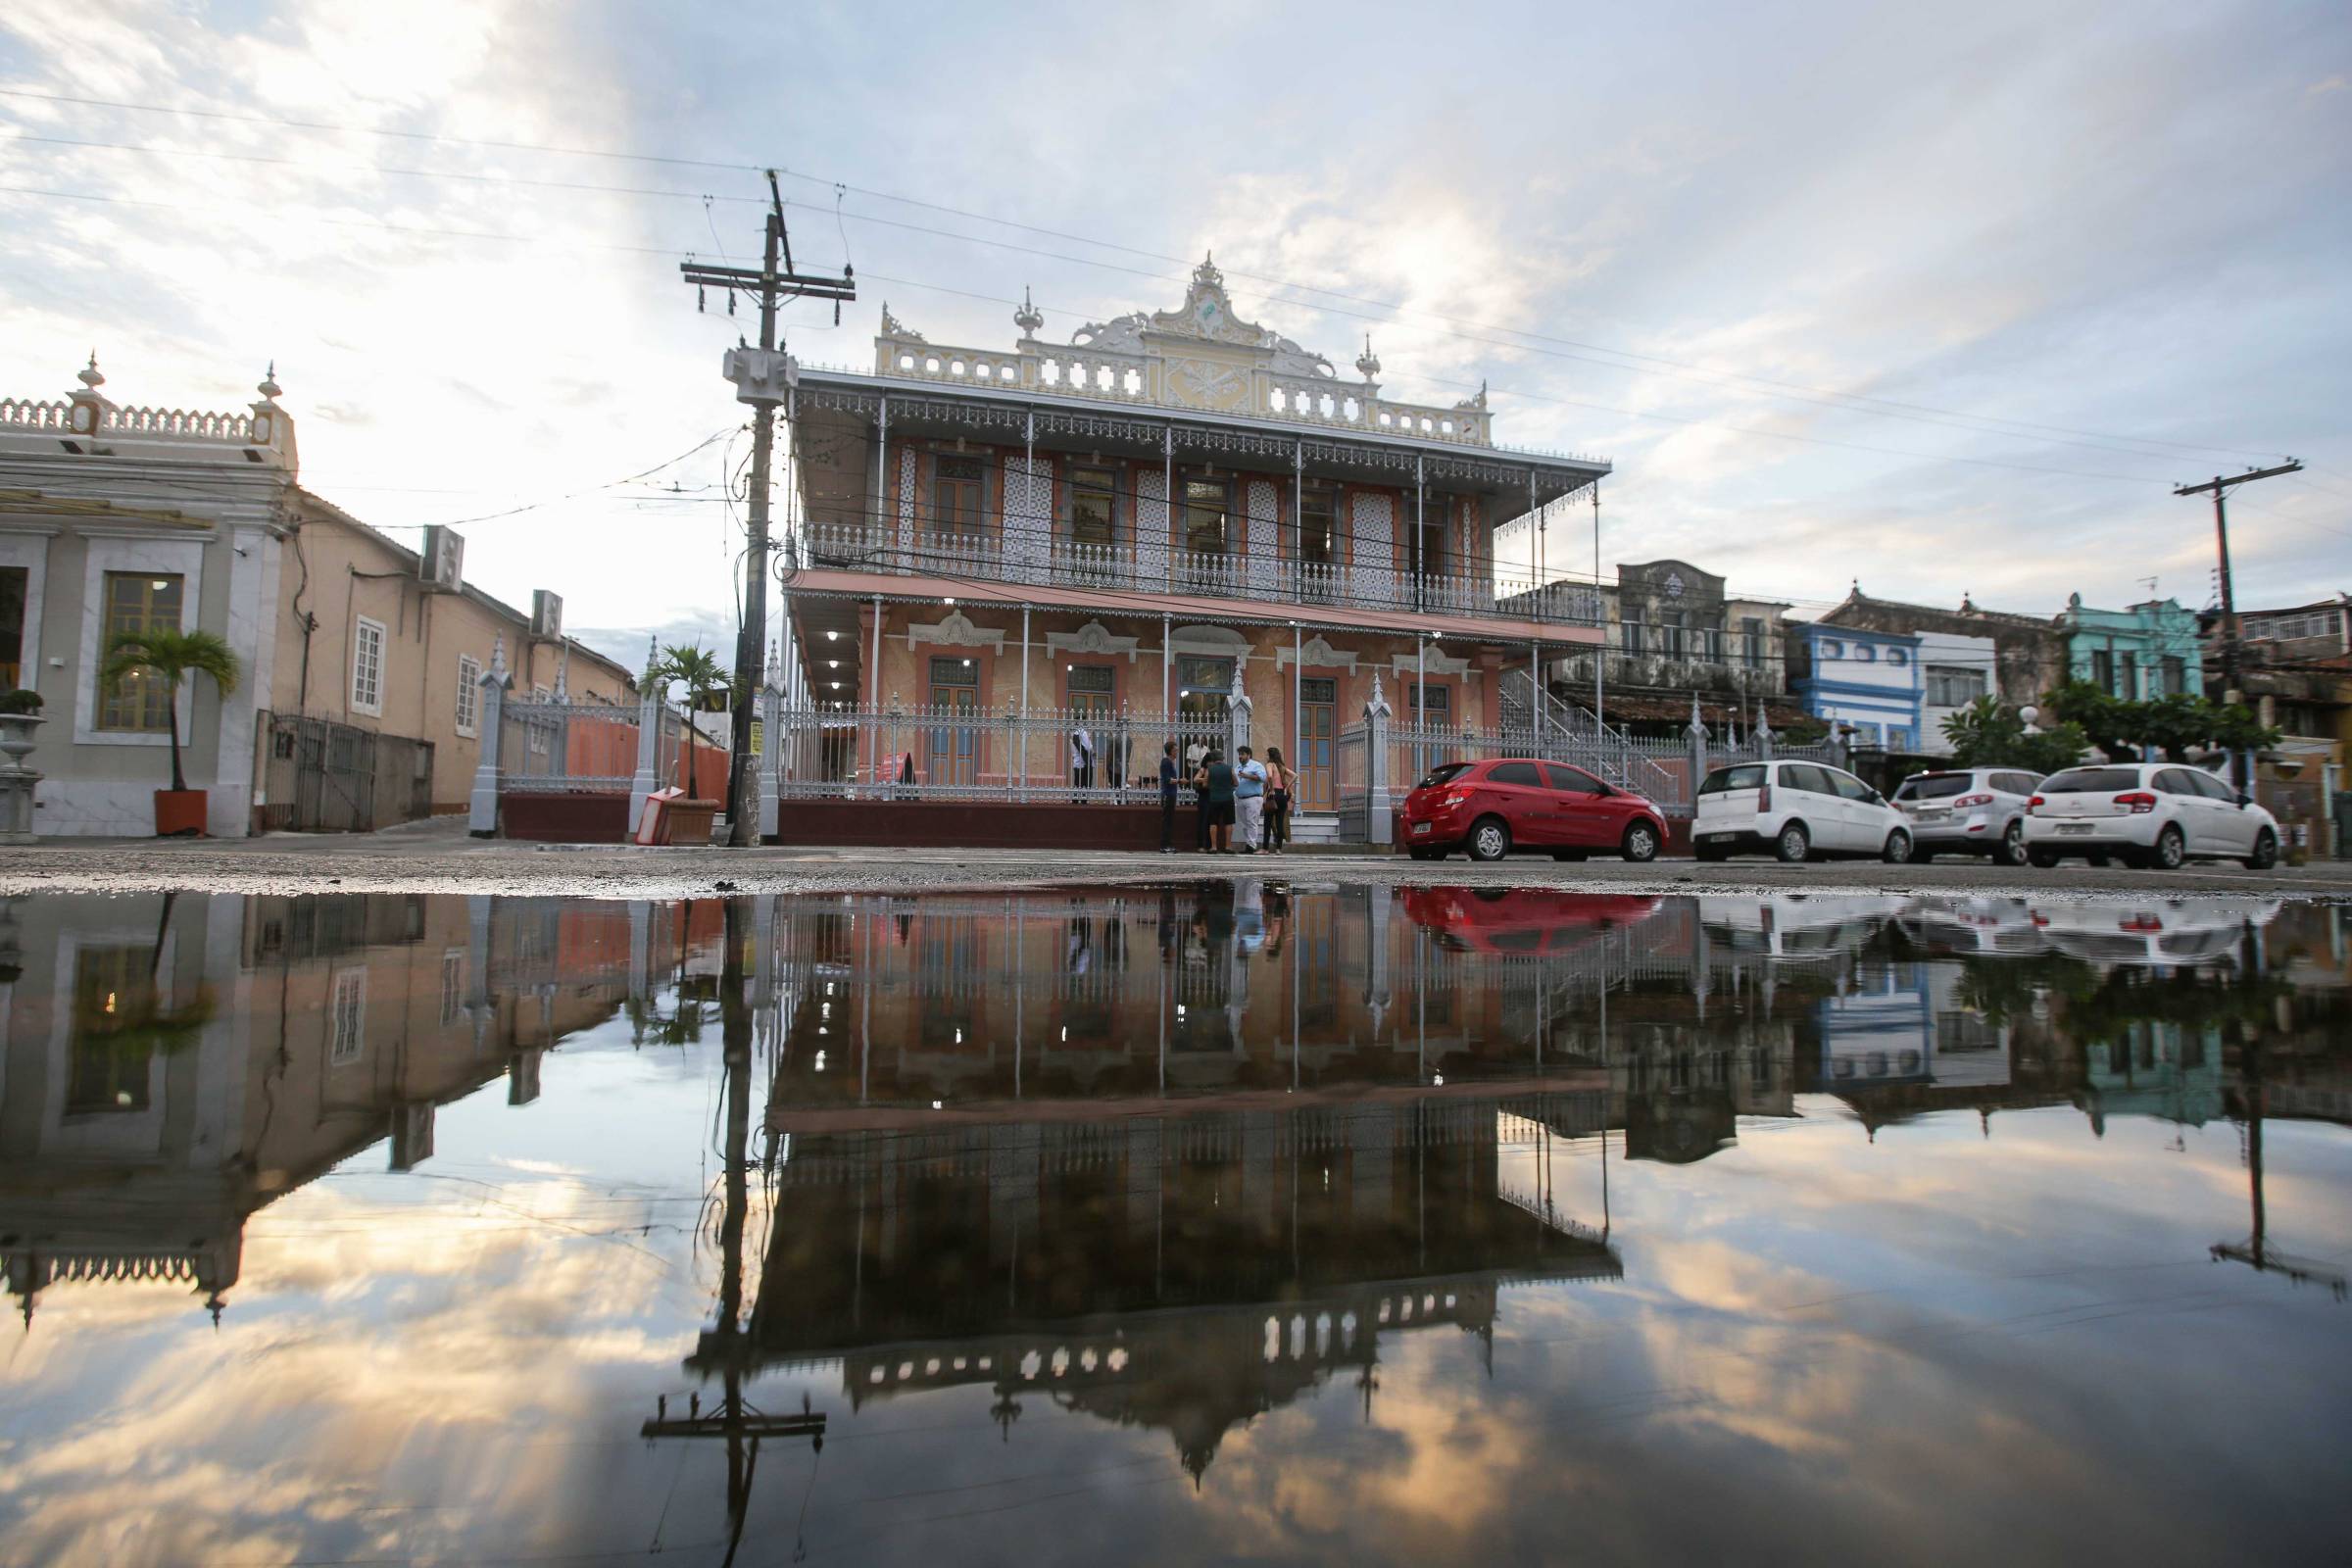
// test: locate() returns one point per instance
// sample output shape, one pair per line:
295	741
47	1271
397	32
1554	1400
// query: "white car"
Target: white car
1970	811
1796	811
2147	814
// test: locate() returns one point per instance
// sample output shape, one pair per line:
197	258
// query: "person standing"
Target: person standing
1248	800
1167	798
1082	760
1280	781
1218	782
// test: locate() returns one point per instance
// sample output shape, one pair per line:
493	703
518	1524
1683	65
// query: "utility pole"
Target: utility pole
2219	487
763	378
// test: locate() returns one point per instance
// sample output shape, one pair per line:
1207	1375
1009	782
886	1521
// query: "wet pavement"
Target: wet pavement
1279	1219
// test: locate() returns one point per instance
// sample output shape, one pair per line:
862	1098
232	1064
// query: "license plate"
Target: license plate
1937	814
1421	827
2075	827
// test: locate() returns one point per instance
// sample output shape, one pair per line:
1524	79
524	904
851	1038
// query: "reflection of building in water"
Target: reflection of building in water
170	1064
1184	1272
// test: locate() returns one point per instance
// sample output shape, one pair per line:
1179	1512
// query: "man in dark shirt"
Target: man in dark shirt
1167	798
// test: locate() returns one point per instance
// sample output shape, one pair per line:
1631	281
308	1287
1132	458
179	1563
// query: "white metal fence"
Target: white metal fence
946	751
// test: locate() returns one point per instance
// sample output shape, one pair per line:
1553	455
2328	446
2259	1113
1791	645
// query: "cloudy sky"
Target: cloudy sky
1945	301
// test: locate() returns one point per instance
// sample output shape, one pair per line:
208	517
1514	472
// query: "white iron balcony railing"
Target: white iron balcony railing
1491	590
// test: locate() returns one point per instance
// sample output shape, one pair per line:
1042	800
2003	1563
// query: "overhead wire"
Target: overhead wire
1852	402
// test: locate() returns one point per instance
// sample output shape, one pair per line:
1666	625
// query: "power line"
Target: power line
1823	397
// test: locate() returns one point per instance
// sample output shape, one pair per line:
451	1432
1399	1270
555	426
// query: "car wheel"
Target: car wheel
1710	853
1897	850
2013	845
1490	840
2266	852
1640	842
1793	845
2171	850
2041	859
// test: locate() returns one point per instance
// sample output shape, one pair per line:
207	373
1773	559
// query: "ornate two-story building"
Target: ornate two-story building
1126	534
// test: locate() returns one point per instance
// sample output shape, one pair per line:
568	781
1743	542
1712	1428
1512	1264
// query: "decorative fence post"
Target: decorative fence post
1378	829
481	808
1238	709
650	692
1763	733
772	747
1698	751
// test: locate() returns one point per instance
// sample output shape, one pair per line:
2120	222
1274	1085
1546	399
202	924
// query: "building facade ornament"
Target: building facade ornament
1093	639
956	631
892	326
1316	653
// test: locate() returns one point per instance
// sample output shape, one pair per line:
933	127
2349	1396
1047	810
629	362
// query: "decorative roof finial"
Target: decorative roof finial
89	375
1028	317
563	674
892	326
498	656
270	388
1368	361
1206	273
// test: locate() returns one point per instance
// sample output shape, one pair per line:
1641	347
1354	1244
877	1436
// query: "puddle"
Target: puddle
1245	1219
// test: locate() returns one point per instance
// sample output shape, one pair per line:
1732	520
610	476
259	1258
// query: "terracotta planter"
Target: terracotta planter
689	822
180	813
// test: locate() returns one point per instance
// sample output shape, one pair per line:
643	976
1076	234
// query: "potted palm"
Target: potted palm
172	655
707	687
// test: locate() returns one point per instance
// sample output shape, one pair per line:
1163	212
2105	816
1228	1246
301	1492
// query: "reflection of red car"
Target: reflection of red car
1491	809
1520	920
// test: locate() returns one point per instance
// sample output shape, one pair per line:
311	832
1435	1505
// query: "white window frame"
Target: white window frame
469	695
374	708
347	1018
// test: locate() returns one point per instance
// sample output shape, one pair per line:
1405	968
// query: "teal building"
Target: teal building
2150	650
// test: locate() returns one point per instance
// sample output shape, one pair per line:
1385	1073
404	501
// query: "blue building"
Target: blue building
1866	680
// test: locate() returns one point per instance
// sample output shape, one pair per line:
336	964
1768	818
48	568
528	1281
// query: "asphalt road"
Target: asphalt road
437	858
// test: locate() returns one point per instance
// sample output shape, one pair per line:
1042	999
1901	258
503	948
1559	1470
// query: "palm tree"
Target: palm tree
170	655
700	673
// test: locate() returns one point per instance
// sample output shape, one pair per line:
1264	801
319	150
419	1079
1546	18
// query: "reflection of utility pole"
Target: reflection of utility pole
728	1346
2256	1252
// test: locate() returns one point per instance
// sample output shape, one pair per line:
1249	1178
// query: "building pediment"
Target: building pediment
956	631
1095	639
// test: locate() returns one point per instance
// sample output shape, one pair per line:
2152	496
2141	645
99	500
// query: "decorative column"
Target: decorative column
772	745
482	810
1237	713
1377	826
650	691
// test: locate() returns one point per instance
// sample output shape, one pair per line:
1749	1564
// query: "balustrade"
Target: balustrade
1282	579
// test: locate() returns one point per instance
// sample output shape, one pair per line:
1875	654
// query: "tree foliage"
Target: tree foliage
1990	733
2170	728
700	673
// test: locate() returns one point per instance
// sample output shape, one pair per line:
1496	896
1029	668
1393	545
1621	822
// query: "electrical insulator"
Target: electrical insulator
699	301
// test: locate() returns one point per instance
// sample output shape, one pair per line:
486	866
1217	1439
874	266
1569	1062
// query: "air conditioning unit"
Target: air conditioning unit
547	614
441	565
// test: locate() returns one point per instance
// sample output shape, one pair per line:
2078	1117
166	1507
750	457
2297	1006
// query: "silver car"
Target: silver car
1970	811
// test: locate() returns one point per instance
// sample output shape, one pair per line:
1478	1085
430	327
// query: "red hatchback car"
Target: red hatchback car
1491	809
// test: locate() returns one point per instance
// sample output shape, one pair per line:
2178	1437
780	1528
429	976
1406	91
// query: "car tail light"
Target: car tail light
2140	922
1452	798
2034	805
1763	798
2040	918
1972	800
2140	802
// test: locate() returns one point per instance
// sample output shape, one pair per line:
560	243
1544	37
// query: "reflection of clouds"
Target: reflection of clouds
374	1355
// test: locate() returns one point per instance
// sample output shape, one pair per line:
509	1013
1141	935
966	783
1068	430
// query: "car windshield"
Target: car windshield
1748	776
1442	773
1932	787
2090	781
